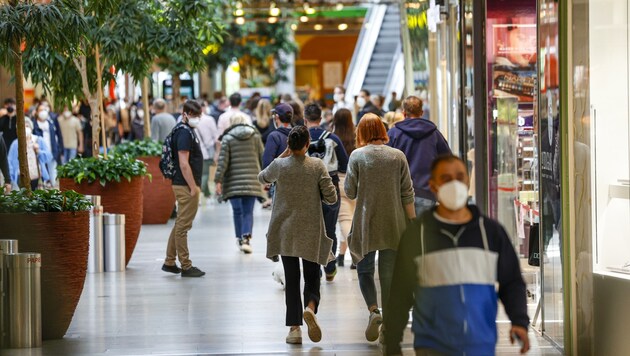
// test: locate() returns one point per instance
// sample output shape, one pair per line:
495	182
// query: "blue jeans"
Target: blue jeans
68	154
422	205
243	212
331	214
365	270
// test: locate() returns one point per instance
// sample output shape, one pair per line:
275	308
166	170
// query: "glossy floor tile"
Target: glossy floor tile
236	309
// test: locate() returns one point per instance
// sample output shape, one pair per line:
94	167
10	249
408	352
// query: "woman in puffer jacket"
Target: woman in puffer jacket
240	161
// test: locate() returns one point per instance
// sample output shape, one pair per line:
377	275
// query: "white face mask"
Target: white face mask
453	195
42	115
338	97
361	101
140	113
67	114
193	122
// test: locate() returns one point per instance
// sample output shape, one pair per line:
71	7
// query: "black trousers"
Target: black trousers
292	296
331	215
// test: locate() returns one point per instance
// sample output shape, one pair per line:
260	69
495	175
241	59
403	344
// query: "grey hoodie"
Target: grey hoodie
240	161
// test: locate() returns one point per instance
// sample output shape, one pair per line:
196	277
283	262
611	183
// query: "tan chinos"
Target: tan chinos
187	206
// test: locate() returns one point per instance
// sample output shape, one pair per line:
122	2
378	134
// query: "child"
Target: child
296	230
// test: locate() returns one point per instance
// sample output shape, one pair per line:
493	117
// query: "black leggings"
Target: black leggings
293	299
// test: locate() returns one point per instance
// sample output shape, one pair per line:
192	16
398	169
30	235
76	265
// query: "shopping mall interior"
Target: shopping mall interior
519	89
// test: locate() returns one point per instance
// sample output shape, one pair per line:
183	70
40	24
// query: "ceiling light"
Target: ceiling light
342	27
272	20
318	27
239	5
294	27
240	20
339	7
239	12
303	18
310	11
274	11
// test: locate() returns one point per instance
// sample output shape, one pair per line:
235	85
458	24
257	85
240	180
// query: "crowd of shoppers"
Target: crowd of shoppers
392	183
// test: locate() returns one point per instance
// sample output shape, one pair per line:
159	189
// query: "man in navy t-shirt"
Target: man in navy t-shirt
186	186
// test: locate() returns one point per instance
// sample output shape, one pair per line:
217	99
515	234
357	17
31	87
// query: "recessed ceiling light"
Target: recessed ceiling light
239	12
318	27
339	7
240	20
304	18
272	20
342	27
294	27
310	11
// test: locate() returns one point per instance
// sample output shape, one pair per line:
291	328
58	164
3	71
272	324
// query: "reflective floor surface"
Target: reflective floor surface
236	309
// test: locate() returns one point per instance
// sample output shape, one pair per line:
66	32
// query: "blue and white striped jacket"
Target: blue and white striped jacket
450	274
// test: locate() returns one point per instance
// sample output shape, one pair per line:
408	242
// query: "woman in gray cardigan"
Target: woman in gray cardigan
240	160
378	178
297	230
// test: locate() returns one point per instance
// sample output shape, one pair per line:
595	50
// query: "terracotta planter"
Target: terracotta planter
62	239
117	198
157	194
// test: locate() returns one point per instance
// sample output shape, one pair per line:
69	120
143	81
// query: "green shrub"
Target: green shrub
142	148
114	168
43	201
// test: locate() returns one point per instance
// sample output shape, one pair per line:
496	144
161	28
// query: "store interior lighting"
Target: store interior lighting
339	7
272	19
303	18
274	10
294	27
318	27
240	20
342	26
239	12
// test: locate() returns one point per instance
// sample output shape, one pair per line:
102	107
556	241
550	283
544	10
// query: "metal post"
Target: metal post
114	242
95	256
6	246
24	300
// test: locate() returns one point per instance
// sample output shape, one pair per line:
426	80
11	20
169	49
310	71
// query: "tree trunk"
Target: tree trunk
25	178
177	84
145	107
81	65
99	89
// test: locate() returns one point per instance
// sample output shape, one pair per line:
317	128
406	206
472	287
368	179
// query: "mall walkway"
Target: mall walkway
237	308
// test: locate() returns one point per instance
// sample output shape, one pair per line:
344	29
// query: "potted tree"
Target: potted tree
118	180
55	224
157	194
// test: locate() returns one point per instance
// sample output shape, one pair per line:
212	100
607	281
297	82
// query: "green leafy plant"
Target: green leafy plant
42	201
112	169
142	148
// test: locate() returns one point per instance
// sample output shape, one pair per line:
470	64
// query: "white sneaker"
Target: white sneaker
244	245
294	337
314	331
372	330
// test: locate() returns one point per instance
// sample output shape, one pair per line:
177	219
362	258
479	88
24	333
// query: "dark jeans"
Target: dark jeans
331	213
365	270
243	213
292	296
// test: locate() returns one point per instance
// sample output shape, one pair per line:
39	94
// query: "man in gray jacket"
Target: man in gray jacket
162	123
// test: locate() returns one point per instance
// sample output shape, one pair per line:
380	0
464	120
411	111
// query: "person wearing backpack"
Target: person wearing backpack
182	161
328	147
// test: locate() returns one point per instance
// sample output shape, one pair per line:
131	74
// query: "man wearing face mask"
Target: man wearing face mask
365	105
449	260
282	116
71	131
188	160
8	121
339	97
48	128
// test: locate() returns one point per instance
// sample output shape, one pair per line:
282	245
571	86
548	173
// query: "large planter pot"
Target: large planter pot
157	194
117	198
62	239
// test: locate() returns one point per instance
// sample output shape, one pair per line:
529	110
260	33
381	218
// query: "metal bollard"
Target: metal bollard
24	300
96	262
6	246
114	242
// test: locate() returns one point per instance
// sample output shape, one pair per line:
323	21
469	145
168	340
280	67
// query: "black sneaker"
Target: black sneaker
353	266
193	272
171	269
340	259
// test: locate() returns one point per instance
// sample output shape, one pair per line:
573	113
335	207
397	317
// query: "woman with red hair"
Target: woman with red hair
378	178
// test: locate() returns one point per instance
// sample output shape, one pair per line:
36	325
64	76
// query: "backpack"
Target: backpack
167	161
324	149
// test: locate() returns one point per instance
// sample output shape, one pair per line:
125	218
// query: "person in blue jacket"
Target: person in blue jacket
422	142
38	155
449	261
281	116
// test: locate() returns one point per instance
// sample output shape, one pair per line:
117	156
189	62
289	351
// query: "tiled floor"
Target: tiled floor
237	308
